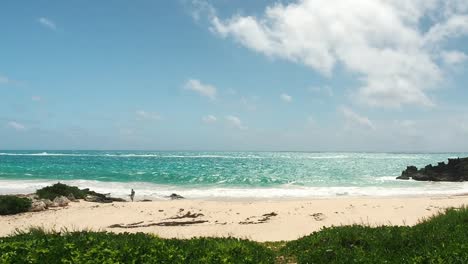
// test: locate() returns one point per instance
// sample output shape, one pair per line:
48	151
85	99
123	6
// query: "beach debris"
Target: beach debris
319	216
456	170
38	206
175	196
102	199
186	215
265	218
146	200
61	201
170	223
97	199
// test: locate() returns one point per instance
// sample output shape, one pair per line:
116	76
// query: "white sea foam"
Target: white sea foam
155	191
42	154
131	155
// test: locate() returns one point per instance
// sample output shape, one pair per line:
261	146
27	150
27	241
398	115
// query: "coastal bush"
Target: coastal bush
440	239
10	204
60	189
101	247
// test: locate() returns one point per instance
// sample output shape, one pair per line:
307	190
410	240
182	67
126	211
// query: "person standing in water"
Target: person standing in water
132	195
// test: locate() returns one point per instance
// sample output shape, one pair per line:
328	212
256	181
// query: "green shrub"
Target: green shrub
10	204
92	247
60	189
441	239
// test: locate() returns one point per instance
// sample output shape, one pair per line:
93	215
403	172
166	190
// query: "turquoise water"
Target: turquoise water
219	174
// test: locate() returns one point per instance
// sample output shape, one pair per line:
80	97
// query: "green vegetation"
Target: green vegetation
440	239
10	204
60	189
90	247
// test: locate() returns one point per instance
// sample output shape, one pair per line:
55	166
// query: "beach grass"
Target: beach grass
439	239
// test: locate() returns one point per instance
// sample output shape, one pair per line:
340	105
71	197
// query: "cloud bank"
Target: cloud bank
393	47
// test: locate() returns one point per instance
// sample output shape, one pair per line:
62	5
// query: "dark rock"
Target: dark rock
97	199
456	170
175	196
102	199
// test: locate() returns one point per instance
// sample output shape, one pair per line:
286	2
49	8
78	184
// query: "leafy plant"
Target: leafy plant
60	189
440	239
10	204
101	247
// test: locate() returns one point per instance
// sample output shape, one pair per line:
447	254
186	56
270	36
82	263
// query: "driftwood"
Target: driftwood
187	215
171	223
263	220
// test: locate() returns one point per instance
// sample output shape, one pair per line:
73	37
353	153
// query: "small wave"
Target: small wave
179	156
386	178
41	154
328	157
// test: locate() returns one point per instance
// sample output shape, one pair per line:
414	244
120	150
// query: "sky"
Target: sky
299	75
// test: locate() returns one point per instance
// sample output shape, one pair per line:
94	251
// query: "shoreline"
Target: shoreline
265	220
147	190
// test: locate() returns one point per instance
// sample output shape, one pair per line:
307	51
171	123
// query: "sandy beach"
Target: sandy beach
257	220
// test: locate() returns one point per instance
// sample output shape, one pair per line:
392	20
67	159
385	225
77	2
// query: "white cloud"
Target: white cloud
46	22
36	98
380	41
352	118
201	8
286	98
206	90
209	119
235	122
4	79
454	57
144	115
17	126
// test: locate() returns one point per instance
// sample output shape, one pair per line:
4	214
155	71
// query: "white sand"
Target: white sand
295	218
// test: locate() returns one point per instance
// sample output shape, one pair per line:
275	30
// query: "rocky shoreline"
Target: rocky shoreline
456	170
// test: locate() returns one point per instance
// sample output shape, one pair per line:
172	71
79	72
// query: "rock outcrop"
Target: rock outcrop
456	170
61	201
38	206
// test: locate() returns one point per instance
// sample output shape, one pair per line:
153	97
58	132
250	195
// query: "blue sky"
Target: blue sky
310	75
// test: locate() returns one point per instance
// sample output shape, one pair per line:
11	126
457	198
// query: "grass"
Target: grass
10	204
440	239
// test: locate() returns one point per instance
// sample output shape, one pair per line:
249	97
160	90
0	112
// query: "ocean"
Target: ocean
220	175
